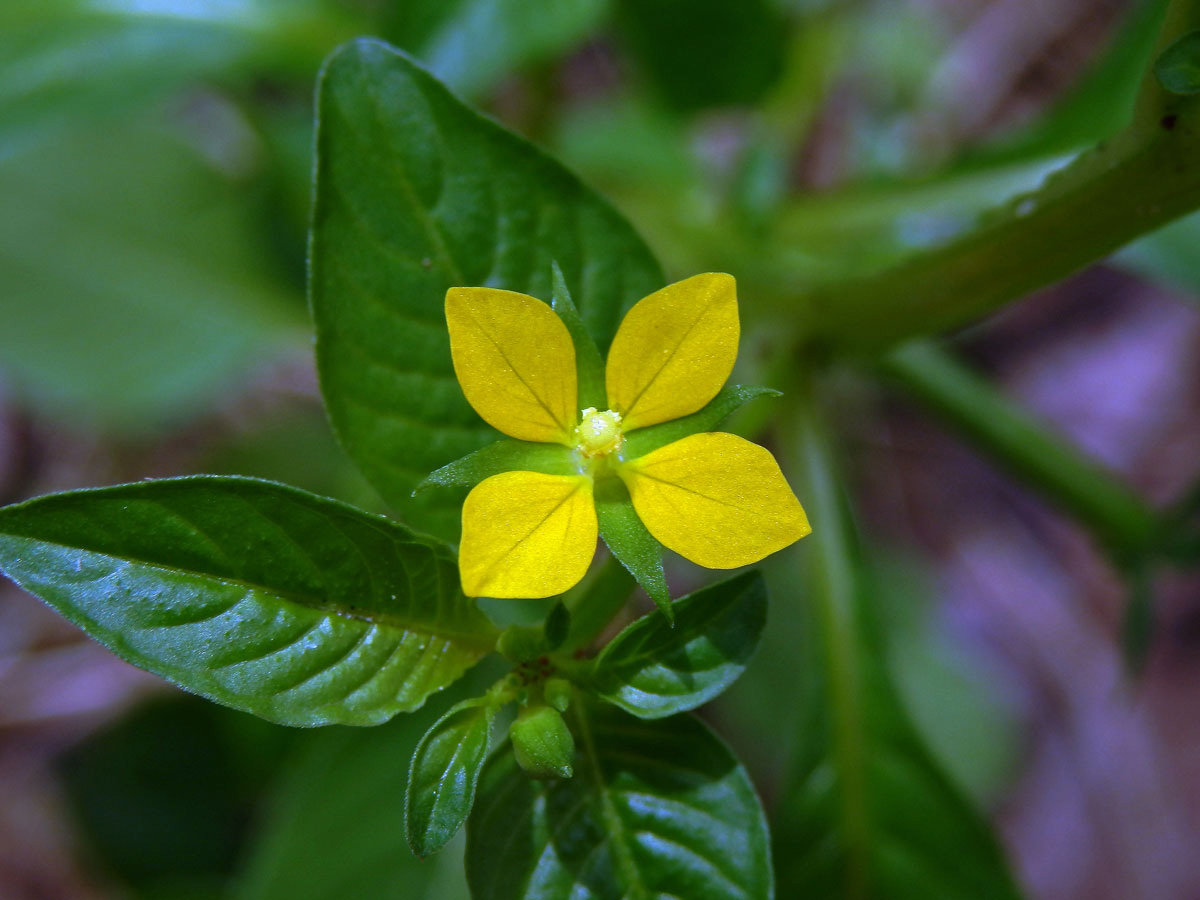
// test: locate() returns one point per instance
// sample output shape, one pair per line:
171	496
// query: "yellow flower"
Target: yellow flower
713	498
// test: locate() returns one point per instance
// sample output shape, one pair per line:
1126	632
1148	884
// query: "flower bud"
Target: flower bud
542	743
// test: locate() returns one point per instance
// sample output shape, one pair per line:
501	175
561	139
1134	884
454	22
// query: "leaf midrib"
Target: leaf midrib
467	639
608	813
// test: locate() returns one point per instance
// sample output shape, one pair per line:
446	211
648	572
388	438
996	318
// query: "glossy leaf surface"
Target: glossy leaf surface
653	669
280	603
654	810
416	194
445	768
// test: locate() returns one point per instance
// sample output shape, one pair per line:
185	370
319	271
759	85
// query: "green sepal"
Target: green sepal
502	456
634	547
1178	68
588	364
542	743
730	399
274	601
557	692
653	670
444	771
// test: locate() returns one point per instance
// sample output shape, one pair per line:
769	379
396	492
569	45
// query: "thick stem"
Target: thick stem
1124	188
835	602
597	604
1115	514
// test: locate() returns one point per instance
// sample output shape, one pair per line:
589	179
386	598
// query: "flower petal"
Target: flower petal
673	351
715	499
526	535
515	361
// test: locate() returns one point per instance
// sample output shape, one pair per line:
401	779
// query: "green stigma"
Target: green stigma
598	433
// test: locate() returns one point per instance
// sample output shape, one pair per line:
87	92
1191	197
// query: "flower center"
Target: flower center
598	433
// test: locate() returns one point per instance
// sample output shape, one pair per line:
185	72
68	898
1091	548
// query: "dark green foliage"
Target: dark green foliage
262	597
653	809
445	768
658	667
415	194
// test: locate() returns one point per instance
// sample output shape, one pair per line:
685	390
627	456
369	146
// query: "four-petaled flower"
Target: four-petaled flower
713	498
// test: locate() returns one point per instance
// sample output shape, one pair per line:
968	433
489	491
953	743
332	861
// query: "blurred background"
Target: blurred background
154	187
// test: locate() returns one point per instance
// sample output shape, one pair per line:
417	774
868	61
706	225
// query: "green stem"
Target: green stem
597	604
835	602
1115	514
1143	178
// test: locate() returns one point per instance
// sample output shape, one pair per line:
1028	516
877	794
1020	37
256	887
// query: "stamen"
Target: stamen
598	433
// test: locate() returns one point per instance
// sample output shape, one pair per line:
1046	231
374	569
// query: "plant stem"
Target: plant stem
597	604
835	602
1143	178
1112	512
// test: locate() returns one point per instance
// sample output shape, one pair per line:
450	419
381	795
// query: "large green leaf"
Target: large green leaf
262	597
868	812
656	668
135	287
335	826
445	768
415	194
654	810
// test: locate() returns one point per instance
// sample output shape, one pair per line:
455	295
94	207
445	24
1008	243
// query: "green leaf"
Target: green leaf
654	810
1178	68
416	193
653	669
595	602
868	811
136	289
334	828
262	597
731	398
444	771
629	541
588	364
501	456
